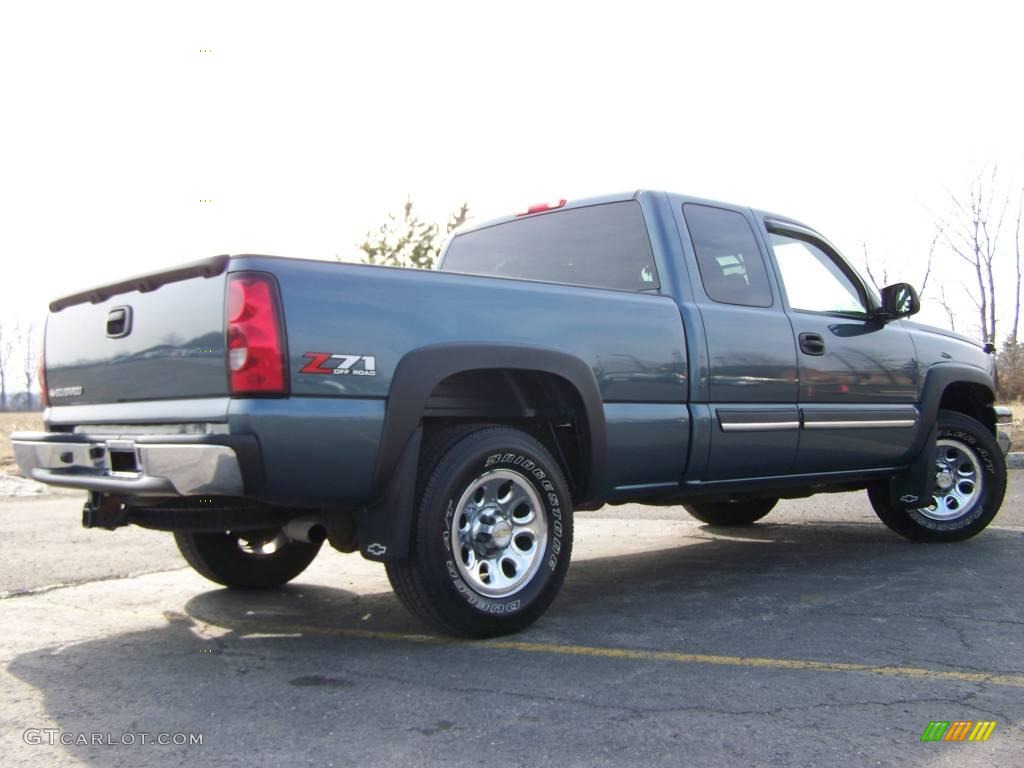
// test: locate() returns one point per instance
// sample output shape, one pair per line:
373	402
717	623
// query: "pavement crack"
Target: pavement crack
637	710
959	631
925	616
34	591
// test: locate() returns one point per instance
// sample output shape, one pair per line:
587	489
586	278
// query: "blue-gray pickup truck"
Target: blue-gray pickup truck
649	348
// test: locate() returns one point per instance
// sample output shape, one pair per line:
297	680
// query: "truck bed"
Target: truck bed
322	439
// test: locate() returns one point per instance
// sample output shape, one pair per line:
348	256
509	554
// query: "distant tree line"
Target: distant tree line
18	376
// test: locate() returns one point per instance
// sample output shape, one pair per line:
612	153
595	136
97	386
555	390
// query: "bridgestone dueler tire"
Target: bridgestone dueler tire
429	582
915	525
218	557
726	513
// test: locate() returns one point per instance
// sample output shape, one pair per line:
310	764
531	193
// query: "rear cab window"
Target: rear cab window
598	246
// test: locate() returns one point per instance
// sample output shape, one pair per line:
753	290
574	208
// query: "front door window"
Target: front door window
813	281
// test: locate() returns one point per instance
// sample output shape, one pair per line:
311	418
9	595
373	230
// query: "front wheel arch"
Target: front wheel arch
955	387
973	400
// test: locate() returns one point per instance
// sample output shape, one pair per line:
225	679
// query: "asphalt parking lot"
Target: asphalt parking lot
815	638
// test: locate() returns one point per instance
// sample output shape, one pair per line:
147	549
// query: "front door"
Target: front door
858	385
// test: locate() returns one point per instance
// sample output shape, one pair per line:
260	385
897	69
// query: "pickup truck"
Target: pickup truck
649	348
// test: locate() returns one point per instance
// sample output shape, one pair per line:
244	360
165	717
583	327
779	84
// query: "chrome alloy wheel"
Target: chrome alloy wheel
499	533
958	481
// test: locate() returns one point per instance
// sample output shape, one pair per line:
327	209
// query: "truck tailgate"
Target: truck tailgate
157	337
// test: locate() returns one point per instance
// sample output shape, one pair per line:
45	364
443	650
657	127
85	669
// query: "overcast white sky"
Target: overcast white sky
309	121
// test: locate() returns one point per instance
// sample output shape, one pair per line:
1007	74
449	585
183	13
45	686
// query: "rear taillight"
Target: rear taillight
255	337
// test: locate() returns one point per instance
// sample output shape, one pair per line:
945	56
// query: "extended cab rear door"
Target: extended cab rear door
857	375
750	384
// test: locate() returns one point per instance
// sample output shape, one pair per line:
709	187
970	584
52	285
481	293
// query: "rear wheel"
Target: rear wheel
492	537
246	559
725	513
970	481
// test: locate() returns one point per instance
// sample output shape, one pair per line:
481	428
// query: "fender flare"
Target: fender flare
917	483
936	379
420	371
385	526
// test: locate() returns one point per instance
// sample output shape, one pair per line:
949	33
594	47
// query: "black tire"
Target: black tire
220	557
725	513
462	482
976	443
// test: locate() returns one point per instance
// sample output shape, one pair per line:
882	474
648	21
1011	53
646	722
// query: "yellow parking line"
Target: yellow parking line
630	654
592	651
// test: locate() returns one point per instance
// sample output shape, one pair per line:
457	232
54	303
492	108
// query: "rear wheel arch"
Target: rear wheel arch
494	383
546	405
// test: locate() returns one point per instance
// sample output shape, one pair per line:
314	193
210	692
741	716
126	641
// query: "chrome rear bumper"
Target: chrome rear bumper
156	465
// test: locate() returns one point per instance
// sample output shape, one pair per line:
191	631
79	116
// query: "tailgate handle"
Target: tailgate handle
119	322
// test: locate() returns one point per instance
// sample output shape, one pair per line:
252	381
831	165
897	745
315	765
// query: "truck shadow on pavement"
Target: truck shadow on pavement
298	669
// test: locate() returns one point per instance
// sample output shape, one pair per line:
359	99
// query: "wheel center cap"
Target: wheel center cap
944	480
491	532
502	534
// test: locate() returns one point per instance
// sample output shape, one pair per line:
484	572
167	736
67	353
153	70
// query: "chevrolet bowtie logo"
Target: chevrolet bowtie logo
376	549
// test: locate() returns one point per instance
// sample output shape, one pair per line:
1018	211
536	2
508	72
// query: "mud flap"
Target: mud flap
913	488
385	527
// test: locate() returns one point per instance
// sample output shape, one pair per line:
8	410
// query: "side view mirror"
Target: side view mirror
899	300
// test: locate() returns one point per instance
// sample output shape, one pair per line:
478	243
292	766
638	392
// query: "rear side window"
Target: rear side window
602	246
730	263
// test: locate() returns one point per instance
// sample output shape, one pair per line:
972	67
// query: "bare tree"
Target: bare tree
6	350
881	267
1016	244
27	341
972	234
944	302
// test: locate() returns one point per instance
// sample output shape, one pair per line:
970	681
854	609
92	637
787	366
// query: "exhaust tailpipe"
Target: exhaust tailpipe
307	530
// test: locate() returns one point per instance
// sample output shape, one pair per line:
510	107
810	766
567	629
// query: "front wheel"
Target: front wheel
970	481
492	537
247	559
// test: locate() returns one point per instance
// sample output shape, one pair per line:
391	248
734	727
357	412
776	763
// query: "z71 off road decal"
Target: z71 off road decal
340	365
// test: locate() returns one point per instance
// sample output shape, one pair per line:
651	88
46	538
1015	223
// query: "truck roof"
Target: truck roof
619	197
